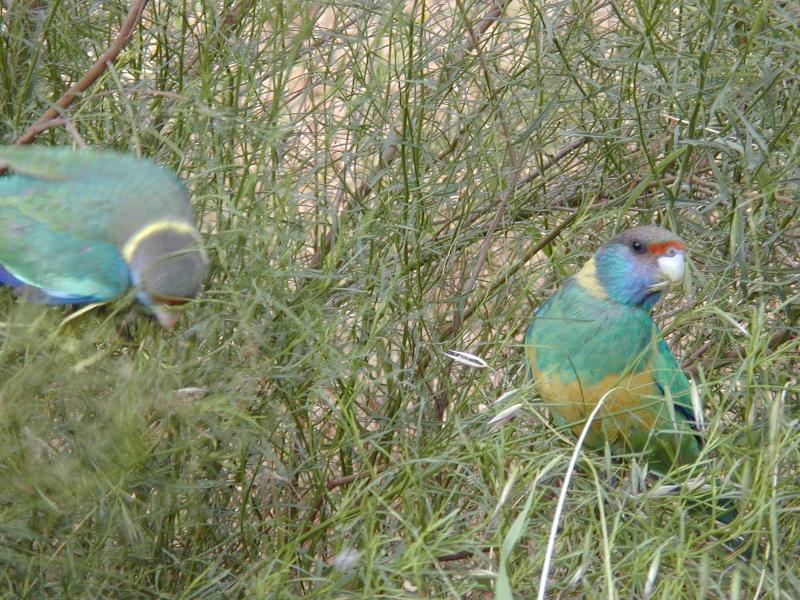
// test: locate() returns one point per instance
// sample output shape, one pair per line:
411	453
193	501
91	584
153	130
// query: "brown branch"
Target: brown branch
347	480
440	398
551	160
559	154
689	361
335	482
89	78
212	40
473	42
38	128
693	363
490	18
469	282
461	555
69	125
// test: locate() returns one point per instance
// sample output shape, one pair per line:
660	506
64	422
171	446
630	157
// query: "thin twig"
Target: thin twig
335	482
90	77
469	285
510	271
556	157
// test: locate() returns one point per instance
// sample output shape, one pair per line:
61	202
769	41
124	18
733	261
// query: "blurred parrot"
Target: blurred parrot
594	340
85	226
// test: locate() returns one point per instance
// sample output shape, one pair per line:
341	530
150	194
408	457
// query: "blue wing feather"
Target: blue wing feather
50	266
9	279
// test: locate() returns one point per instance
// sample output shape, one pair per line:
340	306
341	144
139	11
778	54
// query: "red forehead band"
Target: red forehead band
659	248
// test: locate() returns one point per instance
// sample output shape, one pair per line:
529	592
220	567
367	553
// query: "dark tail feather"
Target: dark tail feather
726	511
720	505
723	509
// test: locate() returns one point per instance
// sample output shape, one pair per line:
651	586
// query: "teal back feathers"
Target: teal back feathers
85	226
594	341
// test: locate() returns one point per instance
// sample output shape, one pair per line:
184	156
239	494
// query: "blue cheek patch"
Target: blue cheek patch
625	279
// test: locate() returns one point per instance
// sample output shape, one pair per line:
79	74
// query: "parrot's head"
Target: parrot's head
635	267
167	265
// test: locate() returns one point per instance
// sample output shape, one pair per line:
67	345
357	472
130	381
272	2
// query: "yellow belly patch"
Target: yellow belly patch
630	407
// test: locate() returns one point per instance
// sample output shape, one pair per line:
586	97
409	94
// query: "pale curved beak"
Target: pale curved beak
671	268
166	317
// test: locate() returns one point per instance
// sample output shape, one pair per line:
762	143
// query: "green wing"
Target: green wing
672	382
56	266
669	376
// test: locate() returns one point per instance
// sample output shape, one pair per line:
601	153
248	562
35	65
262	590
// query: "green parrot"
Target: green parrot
85	226
594	340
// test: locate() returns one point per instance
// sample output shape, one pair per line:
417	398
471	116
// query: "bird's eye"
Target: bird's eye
637	246
671	252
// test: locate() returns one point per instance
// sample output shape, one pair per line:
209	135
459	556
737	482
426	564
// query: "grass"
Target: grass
378	187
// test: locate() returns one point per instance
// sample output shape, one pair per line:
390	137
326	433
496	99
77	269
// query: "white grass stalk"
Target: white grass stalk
562	498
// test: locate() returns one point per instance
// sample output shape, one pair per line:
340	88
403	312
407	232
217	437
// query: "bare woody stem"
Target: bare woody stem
68	97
